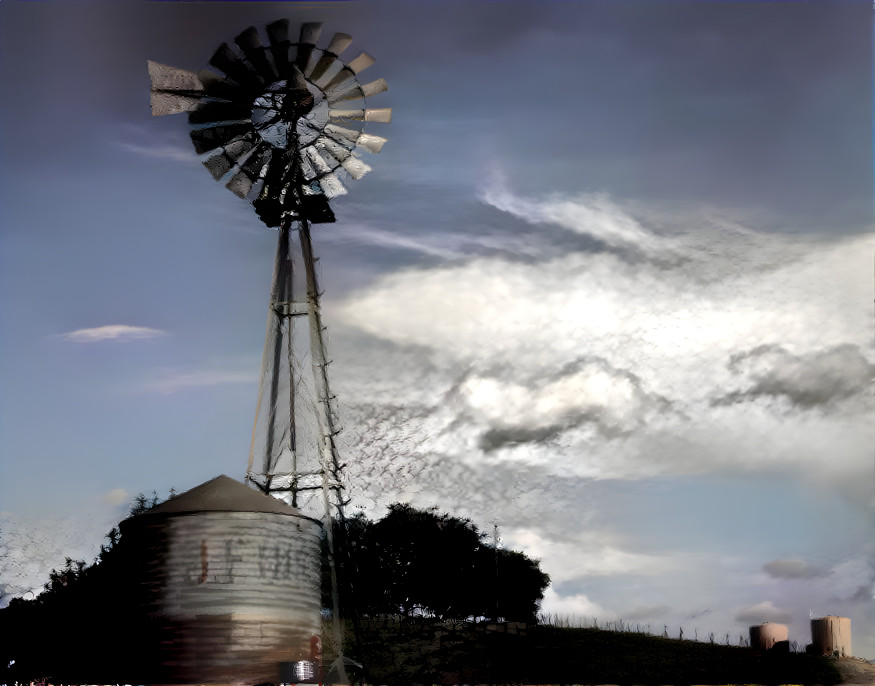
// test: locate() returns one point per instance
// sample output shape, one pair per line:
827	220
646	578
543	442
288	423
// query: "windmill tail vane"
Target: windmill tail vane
280	122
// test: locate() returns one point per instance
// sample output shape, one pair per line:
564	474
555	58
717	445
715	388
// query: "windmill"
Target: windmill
281	124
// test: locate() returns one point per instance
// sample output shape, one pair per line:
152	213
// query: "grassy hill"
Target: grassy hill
426	651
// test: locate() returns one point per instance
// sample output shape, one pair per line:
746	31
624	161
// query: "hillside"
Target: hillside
426	651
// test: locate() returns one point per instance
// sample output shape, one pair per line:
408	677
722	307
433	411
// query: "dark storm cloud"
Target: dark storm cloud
493	439
806	381
787	568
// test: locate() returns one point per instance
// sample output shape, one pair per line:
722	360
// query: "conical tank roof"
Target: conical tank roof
223	494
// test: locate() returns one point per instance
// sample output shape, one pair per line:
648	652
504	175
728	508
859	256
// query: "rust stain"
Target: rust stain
204	561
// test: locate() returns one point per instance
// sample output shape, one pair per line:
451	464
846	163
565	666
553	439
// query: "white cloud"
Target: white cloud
373	236
173	381
119	333
162	151
116	496
577	609
32	545
598	365
763	612
594	215
586	554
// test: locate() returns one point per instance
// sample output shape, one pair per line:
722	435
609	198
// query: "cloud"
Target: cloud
593	364
579	556
428	245
787	568
805	381
119	333
31	545
643	612
762	612
852	579
147	141
572	607
586	391
173	381
161	151
593	215
116	496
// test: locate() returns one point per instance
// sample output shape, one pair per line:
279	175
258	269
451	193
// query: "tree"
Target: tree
420	562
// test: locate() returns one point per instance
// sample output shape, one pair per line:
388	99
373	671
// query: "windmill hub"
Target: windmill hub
281	110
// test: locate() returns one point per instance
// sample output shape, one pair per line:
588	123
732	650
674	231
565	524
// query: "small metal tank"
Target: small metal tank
765	636
831	635
228	584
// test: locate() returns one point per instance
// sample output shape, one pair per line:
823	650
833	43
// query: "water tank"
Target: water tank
228	584
831	635
765	636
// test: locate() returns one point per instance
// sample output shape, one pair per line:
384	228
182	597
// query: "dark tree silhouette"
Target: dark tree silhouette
421	562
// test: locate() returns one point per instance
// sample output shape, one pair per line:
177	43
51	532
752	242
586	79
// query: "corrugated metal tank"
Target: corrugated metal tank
229	582
831	635
765	636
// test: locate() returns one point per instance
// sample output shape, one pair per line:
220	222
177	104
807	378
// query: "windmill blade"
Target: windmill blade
331	186
173	90
330	160
320	166
371	143
307	41
228	62
339	43
325	67
381	114
353	165
171	103
307	171
342	87
356	90
167	78
310	32
344	79
360	63
226	158
322	66
250	43
220	88
352	138
345	137
220	112
278	35
249	172
213	137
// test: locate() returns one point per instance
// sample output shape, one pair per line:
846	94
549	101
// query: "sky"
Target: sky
609	287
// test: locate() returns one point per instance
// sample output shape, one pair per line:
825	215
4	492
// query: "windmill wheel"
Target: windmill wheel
283	124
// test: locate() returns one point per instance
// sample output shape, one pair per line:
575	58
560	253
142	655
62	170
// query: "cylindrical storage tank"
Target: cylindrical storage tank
228	584
831	636
765	636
